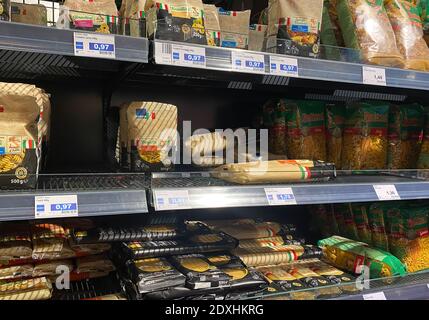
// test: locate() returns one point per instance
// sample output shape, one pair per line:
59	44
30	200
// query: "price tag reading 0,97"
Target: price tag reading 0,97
188	56
171	199
248	62
101	46
94	45
56	206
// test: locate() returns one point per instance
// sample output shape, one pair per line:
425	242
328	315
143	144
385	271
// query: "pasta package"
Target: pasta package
274	119
377	223
234	28
366	27
328	35
305	121
257	34
404	16
176	20
324	219
365	137
349	255
96	15
335	118
294	26
360	216
151	135
212	25
5	10
29	13
423	159
405	129
133	18
350	230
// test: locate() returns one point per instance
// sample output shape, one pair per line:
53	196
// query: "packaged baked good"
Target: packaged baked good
257	35
305	122
29	13
96	15
49	240
334	118
366	27
294	27
212	25
30	289
245	228
207	149
151	135
377	223
96	263
16	272
404	16
405	130
234	28
365	136
5	10
50	268
199	272
349	255
176	20
423	159
360	216
15	242
133	18
264	256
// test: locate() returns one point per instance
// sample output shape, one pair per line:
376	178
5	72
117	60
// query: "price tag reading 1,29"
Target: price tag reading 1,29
248	62
188	56
94	45
171	199
280	196
386	192
374	76
283	66
56	206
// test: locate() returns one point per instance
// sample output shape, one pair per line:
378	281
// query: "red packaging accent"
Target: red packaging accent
84	23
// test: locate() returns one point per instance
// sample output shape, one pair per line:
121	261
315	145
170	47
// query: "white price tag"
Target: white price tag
56	206
374	76
248	61
386	192
171	199
374	296
94	45
280	196
283	66
188	56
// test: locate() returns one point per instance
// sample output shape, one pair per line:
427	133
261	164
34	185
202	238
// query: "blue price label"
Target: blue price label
254	64
288	68
63	207
105	47
176	201
194	57
285	197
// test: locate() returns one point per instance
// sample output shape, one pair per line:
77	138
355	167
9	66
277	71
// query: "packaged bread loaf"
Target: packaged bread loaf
133	18
52	267
176	20
16	272
212	25
366	27
405	130
29	13
365	136
294	26
97	15
30	289
405	18
305	121
4	10
234	26
257	36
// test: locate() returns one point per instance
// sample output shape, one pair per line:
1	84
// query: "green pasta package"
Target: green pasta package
305	121
405	129
423	160
349	229
327	36
376	218
366	27
365	136
335	117
360	215
349	255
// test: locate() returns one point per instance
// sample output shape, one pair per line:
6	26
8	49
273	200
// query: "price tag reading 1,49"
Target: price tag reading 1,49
248	62
171	199
374	76
94	45
56	206
280	196
386	192
283	66
188	56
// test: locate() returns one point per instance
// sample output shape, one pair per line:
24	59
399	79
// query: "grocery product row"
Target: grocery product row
170	257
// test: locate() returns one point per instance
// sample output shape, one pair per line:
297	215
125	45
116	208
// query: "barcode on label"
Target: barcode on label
166	48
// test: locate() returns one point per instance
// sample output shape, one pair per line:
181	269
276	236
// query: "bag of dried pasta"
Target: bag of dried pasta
305	129
360	215
365	136
405	19
366	27
423	160
376	217
405	128
328	36
335	116
349	229
409	236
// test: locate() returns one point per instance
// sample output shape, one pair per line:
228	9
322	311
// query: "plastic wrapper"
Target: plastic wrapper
234	27
275	171
334	117
305	122
29	13
405	129
50	268
176	20
245	228
423	159
294	27
92	264
16	272
204	147
360	216
328	35
49	240
365	136
349	229
199	272
154	274
212	25
113	234
30	289
349	255
377	223
323	219
257	34
15	242
133	18
366	27
405	18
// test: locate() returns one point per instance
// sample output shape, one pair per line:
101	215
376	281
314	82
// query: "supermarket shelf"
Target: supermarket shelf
315	69
97	195
204	191
46	40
